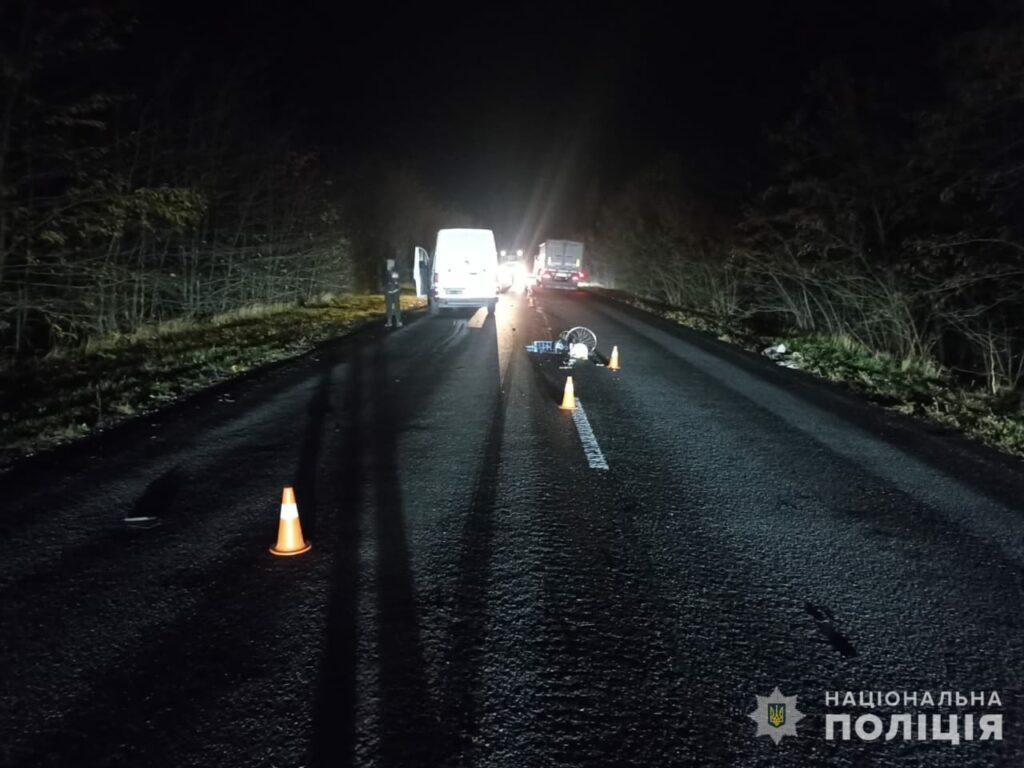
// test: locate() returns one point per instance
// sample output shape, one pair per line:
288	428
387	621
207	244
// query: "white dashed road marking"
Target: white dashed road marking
592	450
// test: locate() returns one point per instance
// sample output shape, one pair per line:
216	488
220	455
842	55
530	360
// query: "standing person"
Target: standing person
392	295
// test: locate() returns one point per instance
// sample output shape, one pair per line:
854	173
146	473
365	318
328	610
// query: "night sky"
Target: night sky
519	112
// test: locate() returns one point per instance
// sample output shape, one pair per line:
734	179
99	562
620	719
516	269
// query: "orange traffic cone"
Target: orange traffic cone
613	364
289	532
569	396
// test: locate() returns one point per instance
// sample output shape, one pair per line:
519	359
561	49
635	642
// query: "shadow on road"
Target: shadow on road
476	549
408	726
334	714
376	413
308	467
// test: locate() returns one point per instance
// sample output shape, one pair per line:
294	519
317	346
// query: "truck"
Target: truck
559	264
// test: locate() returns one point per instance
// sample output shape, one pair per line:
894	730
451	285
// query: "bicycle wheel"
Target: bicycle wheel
581	335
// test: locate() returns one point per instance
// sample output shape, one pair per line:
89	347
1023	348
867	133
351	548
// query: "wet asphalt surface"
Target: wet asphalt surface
476	594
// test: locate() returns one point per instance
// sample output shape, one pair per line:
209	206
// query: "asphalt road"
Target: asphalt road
477	594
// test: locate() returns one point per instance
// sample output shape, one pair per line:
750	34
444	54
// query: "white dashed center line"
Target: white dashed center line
592	450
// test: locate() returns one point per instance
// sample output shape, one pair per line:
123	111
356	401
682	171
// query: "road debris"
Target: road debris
574	345
785	357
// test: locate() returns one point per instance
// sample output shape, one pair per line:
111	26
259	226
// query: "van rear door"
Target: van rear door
481	277
466	263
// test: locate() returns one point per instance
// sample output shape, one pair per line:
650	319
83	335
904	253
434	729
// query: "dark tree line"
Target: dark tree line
899	229
118	208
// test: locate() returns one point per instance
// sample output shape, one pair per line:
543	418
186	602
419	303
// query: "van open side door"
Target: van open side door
421	270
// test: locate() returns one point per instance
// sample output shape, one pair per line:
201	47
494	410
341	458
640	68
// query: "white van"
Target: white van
463	272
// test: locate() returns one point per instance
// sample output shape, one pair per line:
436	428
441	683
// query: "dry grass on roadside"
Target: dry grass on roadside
64	396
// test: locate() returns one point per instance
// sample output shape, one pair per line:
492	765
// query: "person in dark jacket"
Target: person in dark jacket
392	295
